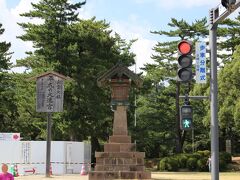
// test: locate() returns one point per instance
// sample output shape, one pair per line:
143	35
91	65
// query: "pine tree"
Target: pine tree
8	108
4	53
50	36
228	39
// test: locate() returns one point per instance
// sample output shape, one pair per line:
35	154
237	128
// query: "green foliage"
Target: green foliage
197	161
205	153
222	165
172	164
196	155
168	164
163	164
182	160
192	163
187	148
229	31
4	53
227	157
8	104
202	164
228	99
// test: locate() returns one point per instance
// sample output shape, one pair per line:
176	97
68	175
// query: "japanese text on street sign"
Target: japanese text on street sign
50	92
201	62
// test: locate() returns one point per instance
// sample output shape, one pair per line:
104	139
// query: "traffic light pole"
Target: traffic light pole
215	17
214	105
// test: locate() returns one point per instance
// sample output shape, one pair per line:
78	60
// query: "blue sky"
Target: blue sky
130	18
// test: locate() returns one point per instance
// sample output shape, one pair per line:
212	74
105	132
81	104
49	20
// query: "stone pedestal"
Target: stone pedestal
119	159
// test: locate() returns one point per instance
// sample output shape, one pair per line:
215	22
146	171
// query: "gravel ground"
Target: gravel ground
155	176
193	176
41	177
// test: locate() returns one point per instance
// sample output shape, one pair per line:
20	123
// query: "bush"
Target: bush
202	164
222	165
196	155
187	148
227	157
182	160
163	164
205	153
173	164
192	163
195	161
168	164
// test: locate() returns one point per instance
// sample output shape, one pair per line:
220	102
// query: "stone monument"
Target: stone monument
119	159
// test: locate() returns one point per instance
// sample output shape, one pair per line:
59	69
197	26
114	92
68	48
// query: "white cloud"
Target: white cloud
143	50
87	10
9	19
143	46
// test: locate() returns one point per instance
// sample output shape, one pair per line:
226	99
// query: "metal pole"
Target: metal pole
135	106
195	97
214	101
135	111
49	138
135	102
193	148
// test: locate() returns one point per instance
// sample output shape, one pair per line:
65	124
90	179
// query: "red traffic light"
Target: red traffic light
184	61
185	47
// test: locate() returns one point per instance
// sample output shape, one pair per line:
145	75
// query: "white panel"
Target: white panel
32	154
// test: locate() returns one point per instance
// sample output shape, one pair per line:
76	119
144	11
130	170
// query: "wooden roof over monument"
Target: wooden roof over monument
119	70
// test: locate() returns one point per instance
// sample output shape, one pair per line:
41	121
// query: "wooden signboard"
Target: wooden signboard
50	93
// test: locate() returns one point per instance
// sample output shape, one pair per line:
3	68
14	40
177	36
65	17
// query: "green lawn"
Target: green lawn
193	176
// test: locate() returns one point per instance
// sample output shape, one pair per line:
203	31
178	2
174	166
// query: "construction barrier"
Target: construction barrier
83	170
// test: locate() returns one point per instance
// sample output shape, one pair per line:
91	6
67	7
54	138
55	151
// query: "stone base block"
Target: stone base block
107	175
119	161
119	139
119	147
117	168
120	154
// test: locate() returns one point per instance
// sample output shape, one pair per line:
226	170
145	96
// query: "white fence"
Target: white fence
30	156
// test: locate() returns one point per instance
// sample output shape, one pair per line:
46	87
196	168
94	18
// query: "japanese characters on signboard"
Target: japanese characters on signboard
50	93
201	62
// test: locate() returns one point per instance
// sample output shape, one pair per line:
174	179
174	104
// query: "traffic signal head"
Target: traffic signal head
186	121
184	61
